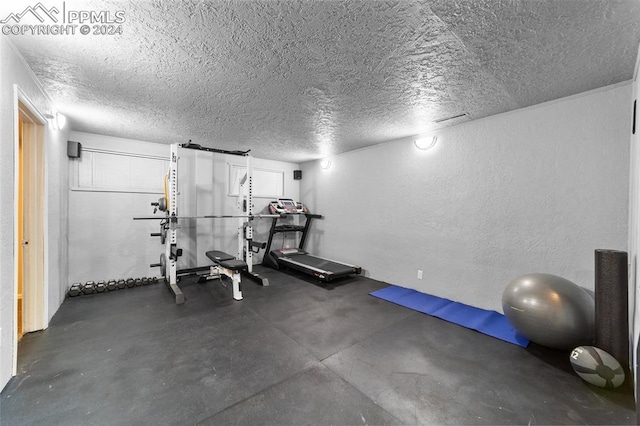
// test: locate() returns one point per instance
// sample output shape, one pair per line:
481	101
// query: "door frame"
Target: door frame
22	102
634	233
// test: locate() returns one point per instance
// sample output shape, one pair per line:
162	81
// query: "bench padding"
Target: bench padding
234	265
226	260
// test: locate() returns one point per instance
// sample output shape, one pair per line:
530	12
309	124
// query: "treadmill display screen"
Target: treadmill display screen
287	206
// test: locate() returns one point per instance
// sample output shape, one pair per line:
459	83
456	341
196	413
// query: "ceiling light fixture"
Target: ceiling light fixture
325	164
56	120
61	120
426	143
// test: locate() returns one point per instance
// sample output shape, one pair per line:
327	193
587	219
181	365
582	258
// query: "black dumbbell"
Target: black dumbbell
101	287
75	290
145	281
89	287
112	285
121	284
131	282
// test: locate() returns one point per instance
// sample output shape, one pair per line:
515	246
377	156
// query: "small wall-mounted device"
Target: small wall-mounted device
74	149
297	174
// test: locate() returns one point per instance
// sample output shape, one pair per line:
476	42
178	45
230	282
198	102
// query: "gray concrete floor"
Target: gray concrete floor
291	353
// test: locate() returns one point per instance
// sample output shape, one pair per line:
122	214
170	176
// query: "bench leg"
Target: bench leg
217	270
237	286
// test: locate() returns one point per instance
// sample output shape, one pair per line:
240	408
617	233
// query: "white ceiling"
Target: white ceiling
301	80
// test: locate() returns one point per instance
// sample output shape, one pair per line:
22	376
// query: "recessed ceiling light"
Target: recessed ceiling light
325	164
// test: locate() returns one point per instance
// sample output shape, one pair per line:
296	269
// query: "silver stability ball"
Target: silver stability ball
550	310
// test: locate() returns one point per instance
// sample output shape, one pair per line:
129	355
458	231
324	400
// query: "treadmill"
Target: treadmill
298	259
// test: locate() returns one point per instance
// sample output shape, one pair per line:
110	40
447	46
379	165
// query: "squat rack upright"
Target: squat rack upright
246	245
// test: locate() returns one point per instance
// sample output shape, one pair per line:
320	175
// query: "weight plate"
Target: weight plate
162	204
163	265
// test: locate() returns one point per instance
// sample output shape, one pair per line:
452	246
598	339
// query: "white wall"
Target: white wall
538	189
106	243
13	70
57	256
104	240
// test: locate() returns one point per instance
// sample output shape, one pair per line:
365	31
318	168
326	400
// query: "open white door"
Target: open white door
29	246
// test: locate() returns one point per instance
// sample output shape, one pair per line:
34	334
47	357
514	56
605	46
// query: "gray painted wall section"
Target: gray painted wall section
13	70
535	190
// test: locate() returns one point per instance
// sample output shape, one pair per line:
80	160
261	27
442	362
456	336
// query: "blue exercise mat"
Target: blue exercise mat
490	323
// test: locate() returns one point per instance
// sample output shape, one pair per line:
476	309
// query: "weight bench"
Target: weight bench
229	266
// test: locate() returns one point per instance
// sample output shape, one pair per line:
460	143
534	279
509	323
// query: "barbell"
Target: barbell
228	216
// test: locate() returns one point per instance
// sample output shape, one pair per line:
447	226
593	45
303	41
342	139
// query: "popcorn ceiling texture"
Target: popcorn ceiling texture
301	80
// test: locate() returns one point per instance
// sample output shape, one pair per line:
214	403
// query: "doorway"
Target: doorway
634	235
29	223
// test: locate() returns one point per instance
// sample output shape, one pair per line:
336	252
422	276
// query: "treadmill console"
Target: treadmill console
286	206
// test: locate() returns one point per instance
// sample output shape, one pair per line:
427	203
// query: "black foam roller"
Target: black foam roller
612	304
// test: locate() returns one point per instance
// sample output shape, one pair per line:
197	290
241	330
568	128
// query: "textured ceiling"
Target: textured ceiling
301	80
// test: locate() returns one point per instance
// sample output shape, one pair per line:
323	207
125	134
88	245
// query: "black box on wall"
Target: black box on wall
74	149
297	174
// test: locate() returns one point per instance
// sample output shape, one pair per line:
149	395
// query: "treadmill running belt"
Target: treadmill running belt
306	262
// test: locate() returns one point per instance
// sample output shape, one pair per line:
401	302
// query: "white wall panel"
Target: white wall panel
116	171
266	183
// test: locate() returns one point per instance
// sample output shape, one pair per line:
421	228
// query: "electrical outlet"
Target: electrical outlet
419	274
